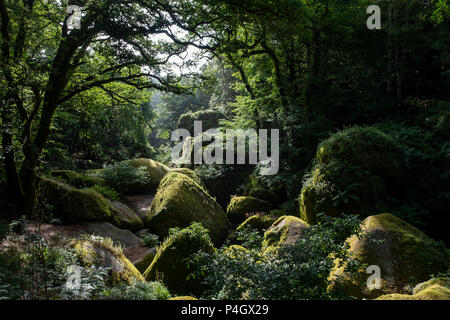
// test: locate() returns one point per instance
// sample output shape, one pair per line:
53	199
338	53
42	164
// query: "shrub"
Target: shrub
150	240
39	271
124	176
137	291
293	272
107	192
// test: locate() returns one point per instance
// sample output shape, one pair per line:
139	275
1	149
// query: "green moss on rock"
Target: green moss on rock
435	289
234	251
170	265
181	201
209	118
77	179
354	169
405	255
125	217
143	263
100	254
264	194
86	205
184	298
156	170
285	231
240	207
191	174
257	222
365	147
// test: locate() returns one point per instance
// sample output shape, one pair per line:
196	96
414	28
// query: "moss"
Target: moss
209	118
240	207
181	201
184	298
354	169
263	194
365	147
435	289
143	264
405	255
156	170
98	253
51	191
257	222
125	217
285	231
191	174
234	251
77	179
169	264
85	205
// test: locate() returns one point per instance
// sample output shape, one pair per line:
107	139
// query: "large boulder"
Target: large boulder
156	170
101	253
257	222
404	254
126	218
181	201
209	118
285	231
240	207
435	289
191	174
86	205
124	238
77	179
354	169
170	261
264	194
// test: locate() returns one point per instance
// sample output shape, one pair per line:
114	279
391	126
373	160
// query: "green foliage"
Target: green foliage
171	263
107	192
150	240
250	238
137	291
124	176
294	272
40	271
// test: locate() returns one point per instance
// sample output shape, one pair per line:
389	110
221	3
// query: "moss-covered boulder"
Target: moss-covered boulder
285	231
181	201
354	169
183	298
156	170
170	261
86	205
209	118
125	217
145	262
257	222
77	179
102	253
264	194
191	174
51	191
124	238
405	255
435	289
240	207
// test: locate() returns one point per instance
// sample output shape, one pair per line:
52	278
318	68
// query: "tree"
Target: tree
44	65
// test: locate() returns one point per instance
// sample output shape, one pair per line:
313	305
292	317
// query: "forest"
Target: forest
345	200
